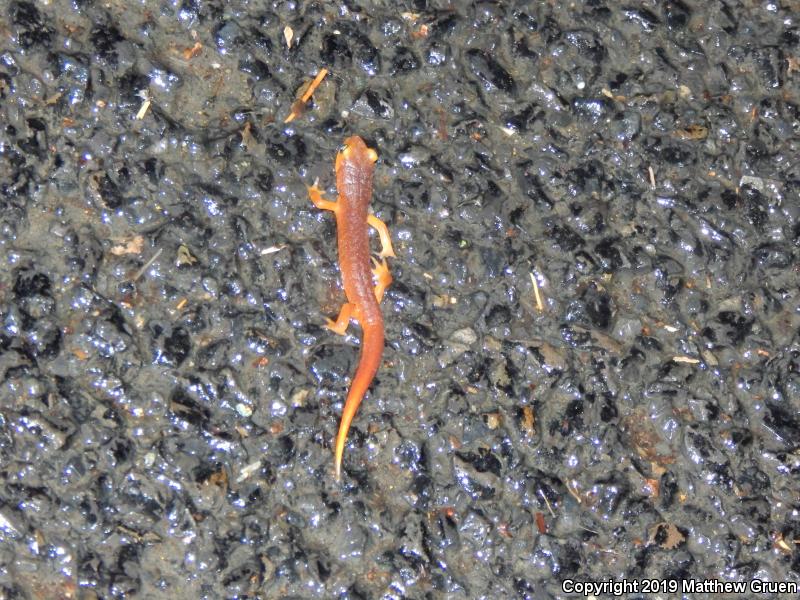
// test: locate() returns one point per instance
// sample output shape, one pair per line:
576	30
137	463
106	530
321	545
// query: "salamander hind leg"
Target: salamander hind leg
383	233
343	320
319	200
382	276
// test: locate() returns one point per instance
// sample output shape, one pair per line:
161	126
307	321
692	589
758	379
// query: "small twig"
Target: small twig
272	249
539	303
145	96
546	502
147	265
299	105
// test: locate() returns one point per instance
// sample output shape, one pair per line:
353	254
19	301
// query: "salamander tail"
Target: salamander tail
371	352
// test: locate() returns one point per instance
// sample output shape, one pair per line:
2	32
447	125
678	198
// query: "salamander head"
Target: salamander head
355	150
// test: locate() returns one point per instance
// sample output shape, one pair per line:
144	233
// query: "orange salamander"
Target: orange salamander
355	164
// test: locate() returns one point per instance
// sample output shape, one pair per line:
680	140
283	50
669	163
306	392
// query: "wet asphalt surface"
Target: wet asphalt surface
169	394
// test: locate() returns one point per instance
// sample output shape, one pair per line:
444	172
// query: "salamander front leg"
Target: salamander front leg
383	233
319	200
342	321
